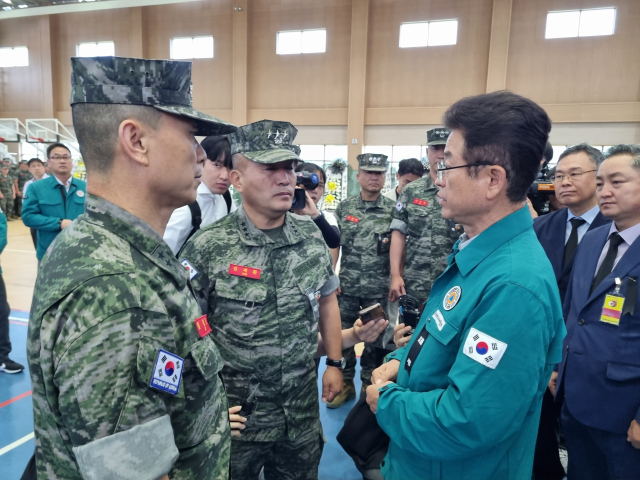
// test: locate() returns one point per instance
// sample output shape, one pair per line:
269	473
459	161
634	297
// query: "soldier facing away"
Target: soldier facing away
124	384
264	278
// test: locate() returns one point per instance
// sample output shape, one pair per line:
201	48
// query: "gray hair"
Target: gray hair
626	149
595	155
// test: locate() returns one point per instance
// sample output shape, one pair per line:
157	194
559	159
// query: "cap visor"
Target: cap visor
206	124
374	169
274	155
437	142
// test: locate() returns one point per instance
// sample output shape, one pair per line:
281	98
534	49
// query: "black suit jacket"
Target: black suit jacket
551	230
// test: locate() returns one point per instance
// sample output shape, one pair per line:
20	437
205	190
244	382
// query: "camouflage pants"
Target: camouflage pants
282	460
372	357
17	206
7	205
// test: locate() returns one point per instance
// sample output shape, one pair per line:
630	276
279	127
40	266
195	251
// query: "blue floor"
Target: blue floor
16	418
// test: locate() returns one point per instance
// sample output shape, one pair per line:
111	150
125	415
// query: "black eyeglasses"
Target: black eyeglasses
442	167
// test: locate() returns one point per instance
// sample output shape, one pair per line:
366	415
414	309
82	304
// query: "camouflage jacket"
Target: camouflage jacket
365	238
5	184
23	177
261	299
110	298
429	237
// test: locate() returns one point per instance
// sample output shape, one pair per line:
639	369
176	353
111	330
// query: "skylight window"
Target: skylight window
428	34
96	49
192	47
301	41
14	57
581	23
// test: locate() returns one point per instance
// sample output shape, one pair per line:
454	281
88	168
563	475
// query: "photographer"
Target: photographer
325	221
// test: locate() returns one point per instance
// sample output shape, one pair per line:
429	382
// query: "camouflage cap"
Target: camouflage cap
266	141
372	162
6	163
438	136
162	84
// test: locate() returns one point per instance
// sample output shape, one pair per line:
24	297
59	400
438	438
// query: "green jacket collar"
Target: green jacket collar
253	236
137	233
491	239
376	204
53	182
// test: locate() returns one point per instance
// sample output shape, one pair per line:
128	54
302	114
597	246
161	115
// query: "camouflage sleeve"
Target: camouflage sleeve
399	215
338	215
102	376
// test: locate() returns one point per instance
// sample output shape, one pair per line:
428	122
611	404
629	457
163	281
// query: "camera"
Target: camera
409	311
542	186
307	180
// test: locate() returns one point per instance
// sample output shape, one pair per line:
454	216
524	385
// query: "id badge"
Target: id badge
613	304
313	299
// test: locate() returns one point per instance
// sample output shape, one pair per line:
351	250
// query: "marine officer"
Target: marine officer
125	384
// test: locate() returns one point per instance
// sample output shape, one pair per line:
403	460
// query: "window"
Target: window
432	34
96	49
14	57
581	23
301	41
191	47
323	153
401	152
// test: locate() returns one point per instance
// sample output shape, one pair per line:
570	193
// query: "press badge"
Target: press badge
313	299
613	304
167	372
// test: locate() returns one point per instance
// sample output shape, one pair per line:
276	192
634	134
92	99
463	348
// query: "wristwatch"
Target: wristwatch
336	363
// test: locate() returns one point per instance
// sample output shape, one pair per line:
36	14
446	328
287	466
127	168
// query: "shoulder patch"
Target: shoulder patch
167	372
484	349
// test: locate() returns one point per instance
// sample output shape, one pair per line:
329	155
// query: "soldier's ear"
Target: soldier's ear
236	179
133	141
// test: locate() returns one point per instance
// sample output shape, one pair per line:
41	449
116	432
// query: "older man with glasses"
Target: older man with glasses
53	203
462	399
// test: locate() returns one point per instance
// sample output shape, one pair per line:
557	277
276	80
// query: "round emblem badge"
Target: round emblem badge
80	193
451	298
613	303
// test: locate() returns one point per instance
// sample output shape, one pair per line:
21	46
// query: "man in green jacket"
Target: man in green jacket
462	399
53	203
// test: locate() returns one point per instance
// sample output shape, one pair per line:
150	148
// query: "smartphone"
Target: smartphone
372	313
299	199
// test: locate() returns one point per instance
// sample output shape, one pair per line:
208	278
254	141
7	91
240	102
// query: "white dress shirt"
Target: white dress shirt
629	236
212	207
29	182
66	185
588	218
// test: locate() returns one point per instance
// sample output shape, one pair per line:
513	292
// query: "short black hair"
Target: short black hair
218	148
56	145
593	153
34	160
625	149
410	165
97	124
503	129
311	168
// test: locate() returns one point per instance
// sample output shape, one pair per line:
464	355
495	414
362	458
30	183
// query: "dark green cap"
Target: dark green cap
372	162
438	136
162	84
266	141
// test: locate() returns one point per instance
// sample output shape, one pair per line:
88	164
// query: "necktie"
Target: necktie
607	264
572	243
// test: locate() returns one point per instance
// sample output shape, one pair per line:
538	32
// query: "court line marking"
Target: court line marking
16	444
15	399
21	251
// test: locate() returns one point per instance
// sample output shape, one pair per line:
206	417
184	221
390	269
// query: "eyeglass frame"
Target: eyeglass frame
60	157
562	177
442	167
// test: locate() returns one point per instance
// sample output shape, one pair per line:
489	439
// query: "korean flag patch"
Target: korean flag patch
167	372
192	271
484	349
399	206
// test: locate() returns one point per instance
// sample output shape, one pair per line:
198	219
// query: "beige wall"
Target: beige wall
594	81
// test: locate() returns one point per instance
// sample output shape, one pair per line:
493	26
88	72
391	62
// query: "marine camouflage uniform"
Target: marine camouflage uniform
113	304
429	237
365	239
6	181
23	177
261	298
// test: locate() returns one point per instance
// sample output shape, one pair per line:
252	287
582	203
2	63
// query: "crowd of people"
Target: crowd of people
175	334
